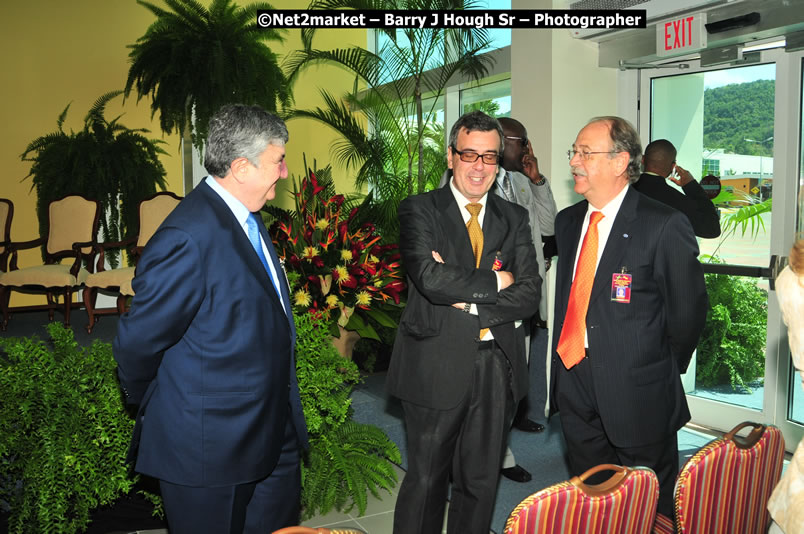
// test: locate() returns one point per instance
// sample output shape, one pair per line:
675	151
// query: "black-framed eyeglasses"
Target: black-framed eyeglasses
586	154
522	140
489	158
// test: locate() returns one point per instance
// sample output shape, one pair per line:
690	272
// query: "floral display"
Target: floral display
345	274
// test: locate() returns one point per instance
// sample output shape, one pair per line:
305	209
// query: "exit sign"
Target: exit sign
681	35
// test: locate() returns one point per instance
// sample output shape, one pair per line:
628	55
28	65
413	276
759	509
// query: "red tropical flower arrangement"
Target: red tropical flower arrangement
344	274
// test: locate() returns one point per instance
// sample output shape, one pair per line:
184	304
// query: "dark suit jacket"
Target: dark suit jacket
693	203
207	352
434	351
637	350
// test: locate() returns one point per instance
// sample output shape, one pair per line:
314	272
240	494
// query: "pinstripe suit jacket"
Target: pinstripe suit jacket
637	350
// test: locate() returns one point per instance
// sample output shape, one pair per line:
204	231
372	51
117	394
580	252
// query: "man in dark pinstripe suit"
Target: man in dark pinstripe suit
623	402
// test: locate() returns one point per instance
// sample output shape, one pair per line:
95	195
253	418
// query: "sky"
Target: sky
722	77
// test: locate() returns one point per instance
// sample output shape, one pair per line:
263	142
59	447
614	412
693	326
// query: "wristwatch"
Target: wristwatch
542	180
466	307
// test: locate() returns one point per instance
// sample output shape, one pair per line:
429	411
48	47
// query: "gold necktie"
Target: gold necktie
476	238
571	343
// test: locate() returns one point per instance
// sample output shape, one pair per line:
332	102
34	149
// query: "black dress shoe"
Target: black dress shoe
527	425
516	473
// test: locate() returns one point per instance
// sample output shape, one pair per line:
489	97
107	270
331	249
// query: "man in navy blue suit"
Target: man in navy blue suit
206	350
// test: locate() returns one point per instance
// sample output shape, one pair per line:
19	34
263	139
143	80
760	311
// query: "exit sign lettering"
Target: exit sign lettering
681	35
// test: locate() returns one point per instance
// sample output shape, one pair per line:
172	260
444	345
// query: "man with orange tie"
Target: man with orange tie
630	306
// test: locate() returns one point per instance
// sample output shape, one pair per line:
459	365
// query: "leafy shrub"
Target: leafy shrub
732	346
346	459
64	432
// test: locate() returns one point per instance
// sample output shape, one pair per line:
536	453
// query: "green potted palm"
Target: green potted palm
104	161
192	60
396	93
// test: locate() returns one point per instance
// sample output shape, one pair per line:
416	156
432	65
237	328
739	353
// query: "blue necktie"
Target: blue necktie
254	237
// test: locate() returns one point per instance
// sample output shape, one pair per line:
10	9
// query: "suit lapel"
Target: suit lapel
278	268
454	227
495	228
617	244
241	244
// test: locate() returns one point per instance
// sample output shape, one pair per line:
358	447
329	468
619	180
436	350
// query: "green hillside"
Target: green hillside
740	111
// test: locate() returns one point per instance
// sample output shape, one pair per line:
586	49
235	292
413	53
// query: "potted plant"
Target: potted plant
396	93
64	432
192	60
347	277
346	459
105	161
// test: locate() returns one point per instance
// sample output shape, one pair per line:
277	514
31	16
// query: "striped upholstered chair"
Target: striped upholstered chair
724	488
624	504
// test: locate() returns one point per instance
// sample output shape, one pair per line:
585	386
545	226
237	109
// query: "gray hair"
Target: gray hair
241	131
475	121
624	138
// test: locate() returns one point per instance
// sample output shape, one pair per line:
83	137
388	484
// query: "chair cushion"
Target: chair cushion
110	278
43	275
564	508
725	489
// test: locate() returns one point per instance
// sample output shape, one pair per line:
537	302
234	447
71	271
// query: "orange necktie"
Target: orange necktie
476	238
571	343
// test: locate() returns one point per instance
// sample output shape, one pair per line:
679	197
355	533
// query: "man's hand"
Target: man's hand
530	165
684	176
438	259
506	278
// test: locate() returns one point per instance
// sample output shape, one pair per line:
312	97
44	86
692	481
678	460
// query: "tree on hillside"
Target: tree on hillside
740	111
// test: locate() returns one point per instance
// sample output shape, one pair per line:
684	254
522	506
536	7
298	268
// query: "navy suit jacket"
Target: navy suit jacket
433	356
637	350
207	352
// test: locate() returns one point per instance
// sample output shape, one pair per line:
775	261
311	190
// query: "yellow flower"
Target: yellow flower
301	298
332	301
346	255
322	224
362	298
343	273
309	253
373	259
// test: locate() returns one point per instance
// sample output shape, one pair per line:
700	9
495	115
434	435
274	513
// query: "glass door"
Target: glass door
736	123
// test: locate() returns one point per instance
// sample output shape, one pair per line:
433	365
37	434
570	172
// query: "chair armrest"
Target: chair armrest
14	246
101	248
77	246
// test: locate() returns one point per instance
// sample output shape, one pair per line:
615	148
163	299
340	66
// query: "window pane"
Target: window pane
721	123
492	98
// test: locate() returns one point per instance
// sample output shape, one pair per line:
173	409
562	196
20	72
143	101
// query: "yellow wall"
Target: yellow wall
57	52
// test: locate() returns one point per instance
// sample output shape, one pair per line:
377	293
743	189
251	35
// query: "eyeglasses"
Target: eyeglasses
489	158
522	140
586	154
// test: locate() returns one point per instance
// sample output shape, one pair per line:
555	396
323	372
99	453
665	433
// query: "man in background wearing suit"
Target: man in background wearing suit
659	163
458	363
523	184
630	306
206	350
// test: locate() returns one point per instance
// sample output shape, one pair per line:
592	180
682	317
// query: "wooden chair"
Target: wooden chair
6	214
152	212
624	504
72	234
724	488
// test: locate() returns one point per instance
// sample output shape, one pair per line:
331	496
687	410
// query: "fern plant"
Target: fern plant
192	60
346	460
64	432
105	161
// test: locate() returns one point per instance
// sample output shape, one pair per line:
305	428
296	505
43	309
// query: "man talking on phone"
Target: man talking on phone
659	163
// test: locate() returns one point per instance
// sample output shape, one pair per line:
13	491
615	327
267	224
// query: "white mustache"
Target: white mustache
578	171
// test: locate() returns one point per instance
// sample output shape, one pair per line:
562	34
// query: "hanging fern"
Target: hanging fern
105	161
